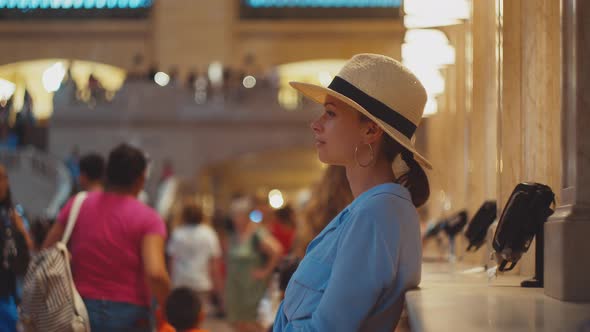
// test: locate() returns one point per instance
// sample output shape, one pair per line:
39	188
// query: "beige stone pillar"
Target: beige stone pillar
483	114
567	246
529	117
446	138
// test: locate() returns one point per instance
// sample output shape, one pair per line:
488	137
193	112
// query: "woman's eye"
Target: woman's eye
330	113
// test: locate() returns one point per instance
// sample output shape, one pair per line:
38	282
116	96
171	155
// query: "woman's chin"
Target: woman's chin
327	160
322	158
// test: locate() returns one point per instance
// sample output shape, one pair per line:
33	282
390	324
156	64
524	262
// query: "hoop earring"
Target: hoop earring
356	148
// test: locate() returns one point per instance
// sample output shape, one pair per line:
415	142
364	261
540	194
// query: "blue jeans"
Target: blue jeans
106	316
8	314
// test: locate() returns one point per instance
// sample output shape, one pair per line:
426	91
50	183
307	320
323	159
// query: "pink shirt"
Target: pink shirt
106	247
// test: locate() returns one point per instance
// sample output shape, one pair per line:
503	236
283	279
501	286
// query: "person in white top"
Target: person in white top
195	254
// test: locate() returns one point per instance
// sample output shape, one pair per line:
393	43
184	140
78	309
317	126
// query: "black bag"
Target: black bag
455	223
526	211
478	227
434	230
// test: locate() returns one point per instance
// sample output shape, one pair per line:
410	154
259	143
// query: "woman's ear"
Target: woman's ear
371	133
140	183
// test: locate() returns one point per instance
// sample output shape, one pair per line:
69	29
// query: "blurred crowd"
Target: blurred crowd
174	272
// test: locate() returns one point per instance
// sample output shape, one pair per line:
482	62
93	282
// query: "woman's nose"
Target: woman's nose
315	125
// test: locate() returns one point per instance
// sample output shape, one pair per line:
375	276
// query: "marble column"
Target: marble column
529	117
446	138
483	113
567	247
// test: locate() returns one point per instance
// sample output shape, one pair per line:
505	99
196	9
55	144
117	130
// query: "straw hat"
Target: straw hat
382	89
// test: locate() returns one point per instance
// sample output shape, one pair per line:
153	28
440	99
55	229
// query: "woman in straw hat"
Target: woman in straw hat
356	271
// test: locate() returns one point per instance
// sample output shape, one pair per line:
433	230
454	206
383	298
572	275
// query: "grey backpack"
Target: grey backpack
50	301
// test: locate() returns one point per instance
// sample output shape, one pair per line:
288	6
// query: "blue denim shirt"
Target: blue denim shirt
356	271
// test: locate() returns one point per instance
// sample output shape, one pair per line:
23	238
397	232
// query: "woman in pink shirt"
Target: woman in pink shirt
117	248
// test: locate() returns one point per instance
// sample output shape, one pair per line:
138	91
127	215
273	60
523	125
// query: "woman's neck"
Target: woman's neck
121	191
95	186
362	179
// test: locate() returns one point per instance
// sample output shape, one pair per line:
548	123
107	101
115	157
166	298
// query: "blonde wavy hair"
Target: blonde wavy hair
329	196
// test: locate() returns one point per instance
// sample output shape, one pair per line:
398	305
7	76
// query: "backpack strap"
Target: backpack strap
78	200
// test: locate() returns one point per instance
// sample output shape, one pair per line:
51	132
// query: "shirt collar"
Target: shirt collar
389	188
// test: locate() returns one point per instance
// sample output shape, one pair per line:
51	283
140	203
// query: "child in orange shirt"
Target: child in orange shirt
183	312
